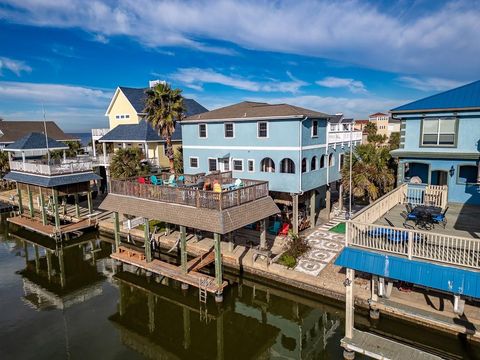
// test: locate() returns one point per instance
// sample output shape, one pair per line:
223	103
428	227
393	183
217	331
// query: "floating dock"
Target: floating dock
378	347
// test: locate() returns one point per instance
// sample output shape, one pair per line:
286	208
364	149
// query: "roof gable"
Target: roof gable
137	97
463	97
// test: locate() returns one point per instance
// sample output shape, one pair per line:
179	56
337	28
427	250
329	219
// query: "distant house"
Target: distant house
296	150
11	131
439	142
385	124
360	126
128	129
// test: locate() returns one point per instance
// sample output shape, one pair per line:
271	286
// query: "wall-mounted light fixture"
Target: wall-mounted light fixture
452	171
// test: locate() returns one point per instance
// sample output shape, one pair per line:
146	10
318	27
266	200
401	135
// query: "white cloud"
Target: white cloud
368	34
195	78
428	83
358	108
355	86
75	108
15	66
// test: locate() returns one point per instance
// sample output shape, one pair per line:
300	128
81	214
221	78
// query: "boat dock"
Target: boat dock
190	275
378	347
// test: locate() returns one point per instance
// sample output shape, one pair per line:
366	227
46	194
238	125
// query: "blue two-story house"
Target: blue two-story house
283	144
439	142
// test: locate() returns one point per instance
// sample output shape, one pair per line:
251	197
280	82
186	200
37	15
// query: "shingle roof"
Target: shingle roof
250	109
141	132
50	181
35	141
137	97
463	97
14	130
221	222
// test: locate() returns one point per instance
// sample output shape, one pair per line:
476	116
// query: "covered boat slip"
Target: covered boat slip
219	212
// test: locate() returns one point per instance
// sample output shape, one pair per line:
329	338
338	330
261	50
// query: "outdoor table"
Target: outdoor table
425	214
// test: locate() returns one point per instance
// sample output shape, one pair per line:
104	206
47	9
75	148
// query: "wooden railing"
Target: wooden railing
415	244
250	191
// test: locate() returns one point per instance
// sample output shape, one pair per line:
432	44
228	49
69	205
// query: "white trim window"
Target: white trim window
194	162
439	132
202	131
314	128
251	165
212	164
229	130
237	165
262	129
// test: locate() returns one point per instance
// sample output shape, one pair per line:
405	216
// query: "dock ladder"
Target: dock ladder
202	289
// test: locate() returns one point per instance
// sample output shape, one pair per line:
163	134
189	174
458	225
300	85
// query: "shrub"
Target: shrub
287	260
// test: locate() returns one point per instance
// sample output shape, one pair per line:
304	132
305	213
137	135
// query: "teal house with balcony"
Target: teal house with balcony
439	142
294	149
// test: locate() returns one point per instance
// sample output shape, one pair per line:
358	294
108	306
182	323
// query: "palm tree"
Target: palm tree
4	164
127	163
164	107
372	175
178	160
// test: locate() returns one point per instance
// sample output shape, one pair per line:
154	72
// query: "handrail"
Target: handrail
190	196
425	245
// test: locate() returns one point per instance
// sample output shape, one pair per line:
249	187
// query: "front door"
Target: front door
224	164
439	177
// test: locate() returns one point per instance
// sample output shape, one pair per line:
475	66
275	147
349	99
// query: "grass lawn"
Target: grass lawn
153	223
339	228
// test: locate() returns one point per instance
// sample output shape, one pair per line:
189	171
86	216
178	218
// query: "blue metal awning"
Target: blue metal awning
440	277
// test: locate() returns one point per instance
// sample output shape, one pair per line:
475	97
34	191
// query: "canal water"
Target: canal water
70	302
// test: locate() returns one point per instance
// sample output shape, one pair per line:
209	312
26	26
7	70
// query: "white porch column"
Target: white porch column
146	150
104	147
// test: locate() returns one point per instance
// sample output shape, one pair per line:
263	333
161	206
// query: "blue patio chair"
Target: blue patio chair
440	218
155	180
275	228
181	180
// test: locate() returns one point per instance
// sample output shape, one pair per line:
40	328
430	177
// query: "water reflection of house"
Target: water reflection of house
157	320
59	276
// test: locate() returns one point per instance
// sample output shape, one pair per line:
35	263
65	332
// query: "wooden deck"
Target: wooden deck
193	278
378	347
50	230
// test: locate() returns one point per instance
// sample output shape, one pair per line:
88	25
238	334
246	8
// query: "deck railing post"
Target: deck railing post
347	231
410	245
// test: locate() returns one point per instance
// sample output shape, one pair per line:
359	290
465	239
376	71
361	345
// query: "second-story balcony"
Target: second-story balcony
388	226
336	137
57	167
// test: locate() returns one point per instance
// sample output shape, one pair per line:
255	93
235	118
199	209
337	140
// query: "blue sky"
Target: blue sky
355	57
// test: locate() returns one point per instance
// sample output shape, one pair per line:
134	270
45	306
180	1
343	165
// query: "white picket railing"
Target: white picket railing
133	223
415	244
54	169
454	250
344	136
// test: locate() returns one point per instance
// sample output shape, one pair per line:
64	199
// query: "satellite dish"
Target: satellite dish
415	180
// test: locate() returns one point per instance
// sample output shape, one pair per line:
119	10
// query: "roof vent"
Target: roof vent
153	83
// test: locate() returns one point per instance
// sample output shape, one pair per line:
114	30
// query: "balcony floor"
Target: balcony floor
462	220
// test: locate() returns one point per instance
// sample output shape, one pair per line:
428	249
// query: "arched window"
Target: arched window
304	165
313	164
322	161
331	160
267	165
287	166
